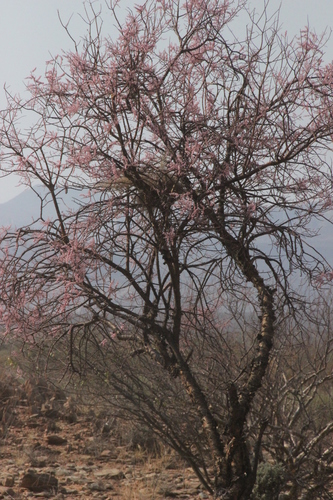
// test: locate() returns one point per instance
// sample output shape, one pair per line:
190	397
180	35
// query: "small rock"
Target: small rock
39	482
41	462
55	440
53	427
110	473
6	492
70	491
97	486
107	454
9	481
60	495
62	471
71	418
44	494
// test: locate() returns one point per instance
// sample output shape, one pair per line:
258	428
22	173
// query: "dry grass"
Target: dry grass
148	469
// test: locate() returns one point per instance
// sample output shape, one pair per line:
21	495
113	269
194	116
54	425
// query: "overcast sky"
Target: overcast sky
30	33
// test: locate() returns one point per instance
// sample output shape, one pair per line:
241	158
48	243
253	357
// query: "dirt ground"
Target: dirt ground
50	450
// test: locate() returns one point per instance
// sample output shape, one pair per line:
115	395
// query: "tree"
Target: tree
202	160
297	402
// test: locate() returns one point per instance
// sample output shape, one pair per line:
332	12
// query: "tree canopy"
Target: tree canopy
200	162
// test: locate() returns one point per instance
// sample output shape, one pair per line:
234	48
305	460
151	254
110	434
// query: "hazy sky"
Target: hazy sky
30	32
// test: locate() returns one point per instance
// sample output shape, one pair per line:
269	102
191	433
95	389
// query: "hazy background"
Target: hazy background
31	33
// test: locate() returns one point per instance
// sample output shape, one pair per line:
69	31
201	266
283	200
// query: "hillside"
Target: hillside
50	448
25	208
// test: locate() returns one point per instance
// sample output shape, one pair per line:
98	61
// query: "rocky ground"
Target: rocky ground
51	450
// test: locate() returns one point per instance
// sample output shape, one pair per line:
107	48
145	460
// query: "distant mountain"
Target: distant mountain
25	208
20	210
323	242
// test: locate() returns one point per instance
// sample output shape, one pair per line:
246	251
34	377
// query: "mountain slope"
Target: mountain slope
25	208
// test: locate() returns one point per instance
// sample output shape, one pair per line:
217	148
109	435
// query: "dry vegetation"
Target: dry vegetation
77	431
189	169
90	454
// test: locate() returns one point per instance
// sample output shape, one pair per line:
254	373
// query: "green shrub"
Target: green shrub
270	479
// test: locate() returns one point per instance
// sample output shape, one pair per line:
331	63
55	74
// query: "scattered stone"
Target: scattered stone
9	481
55	440
107	454
44	494
97	486
5	491
71	418
61	494
50	462
52	427
72	467
39	482
40	462
61	471
110	473
33	424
